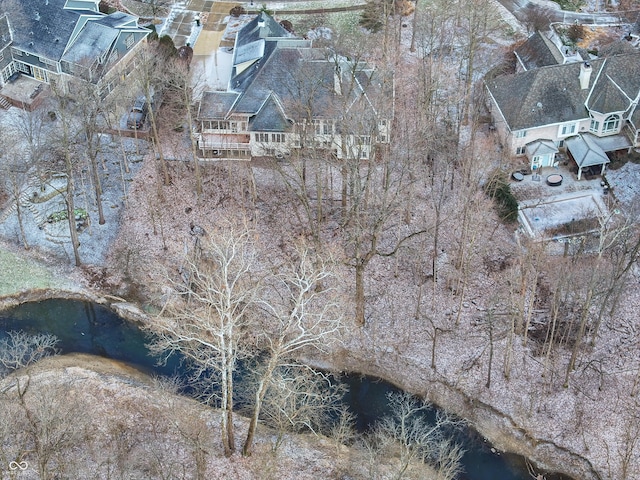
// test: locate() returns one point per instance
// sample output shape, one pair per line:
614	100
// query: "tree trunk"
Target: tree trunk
71	209
97	187
360	320
261	391
21	225
194	149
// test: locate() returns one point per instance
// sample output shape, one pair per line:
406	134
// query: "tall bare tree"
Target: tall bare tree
208	314
303	314
66	133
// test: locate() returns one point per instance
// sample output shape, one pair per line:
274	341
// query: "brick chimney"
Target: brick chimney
585	75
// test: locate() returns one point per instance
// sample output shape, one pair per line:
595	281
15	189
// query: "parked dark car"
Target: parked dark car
138	113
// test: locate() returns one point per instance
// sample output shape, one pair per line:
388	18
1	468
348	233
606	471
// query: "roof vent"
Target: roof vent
37	16
539	105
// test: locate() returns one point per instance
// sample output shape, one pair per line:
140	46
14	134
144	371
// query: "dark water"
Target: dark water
93	329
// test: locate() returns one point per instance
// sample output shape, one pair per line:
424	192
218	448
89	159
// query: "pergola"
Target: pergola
588	150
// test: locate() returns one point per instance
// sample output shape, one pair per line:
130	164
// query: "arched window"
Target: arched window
611	124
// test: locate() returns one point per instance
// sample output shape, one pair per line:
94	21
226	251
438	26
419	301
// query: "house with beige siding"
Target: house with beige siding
285	96
587	109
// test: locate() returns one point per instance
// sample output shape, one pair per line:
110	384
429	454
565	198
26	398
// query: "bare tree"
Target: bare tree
302	315
300	399
535	18
207	315
54	425
20	349
66	134
89	108
414	442
150	78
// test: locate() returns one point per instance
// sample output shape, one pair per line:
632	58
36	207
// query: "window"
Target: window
567	129
128	42
521	134
46	61
520	150
611	124
1	56
595	126
262	137
24	68
7	72
560	143
277	137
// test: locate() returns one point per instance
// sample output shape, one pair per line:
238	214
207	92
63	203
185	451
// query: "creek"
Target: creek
83	327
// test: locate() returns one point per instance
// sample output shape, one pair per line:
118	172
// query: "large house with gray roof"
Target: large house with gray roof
284	95
51	40
587	108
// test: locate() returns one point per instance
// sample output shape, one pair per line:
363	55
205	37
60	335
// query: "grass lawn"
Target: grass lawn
18	274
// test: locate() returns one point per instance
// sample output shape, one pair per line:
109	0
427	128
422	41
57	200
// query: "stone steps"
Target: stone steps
4	104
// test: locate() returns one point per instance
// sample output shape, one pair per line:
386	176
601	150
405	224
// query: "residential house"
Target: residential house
284	95
586	108
53	40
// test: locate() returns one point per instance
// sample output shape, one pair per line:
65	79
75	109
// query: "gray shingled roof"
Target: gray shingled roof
301	85
552	94
586	151
288	80
45	28
618	82
541	147
93	41
118	19
5	32
251	31
535	53
618	47
270	118
216	105
541	96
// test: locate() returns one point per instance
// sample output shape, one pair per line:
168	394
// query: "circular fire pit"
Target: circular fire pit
554	180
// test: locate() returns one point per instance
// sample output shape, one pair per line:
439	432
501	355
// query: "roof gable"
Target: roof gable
535	52
93	41
542	96
270	117
5	32
216	105
53	28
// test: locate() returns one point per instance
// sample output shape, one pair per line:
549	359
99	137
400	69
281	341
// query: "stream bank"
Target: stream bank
499	429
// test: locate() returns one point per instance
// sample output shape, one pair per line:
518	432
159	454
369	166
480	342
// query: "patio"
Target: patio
24	92
544	208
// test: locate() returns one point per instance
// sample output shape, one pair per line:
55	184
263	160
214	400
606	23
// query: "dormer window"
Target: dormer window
611	124
595	126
